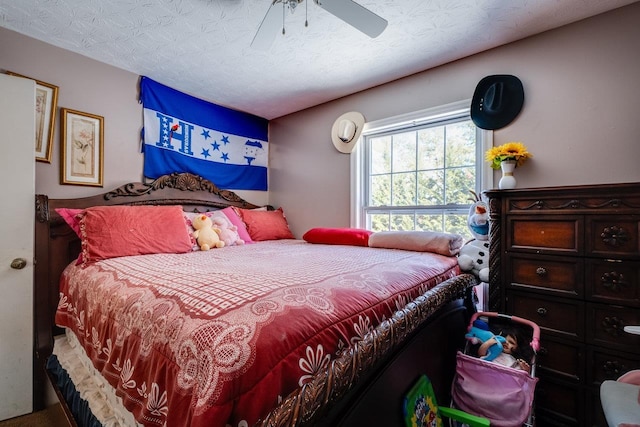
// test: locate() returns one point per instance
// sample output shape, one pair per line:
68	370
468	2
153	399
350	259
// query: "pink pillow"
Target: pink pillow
266	225
232	214
71	217
338	236
447	244
115	231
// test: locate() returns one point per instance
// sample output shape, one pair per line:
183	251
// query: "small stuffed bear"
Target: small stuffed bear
474	258
228	233
206	236
480	333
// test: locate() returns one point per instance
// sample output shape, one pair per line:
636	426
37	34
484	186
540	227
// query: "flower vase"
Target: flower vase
508	181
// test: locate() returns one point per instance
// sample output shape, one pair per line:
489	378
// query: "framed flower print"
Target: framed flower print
82	148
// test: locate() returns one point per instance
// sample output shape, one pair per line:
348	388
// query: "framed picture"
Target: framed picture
82	148
46	103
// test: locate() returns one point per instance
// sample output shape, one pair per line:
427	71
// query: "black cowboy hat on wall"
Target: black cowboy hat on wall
497	101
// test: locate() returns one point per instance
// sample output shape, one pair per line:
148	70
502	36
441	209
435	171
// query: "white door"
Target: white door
17	175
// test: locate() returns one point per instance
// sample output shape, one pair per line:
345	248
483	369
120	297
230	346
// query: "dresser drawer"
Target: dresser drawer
553	274
560	317
605	327
613	236
561	359
559	404
613	281
545	234
605	364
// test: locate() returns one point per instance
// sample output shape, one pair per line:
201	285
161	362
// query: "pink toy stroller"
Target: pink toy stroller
489	389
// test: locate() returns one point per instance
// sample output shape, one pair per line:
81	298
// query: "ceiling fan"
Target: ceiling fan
352	13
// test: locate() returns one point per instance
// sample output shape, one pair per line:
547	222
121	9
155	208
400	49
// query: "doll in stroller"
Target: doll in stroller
495	375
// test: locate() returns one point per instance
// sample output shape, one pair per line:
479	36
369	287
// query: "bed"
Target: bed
159	355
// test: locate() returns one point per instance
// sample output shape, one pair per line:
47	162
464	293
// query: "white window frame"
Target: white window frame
404	121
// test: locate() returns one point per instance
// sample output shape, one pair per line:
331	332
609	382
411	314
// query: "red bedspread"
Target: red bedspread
217	338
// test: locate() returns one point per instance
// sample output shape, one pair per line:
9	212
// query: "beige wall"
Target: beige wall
581	117
89	86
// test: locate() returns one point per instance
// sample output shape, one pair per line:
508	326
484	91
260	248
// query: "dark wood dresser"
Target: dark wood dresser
568	258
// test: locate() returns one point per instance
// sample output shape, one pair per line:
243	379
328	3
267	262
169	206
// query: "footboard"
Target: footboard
366	386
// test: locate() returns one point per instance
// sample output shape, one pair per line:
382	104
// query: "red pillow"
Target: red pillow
115	231
266	225
338	236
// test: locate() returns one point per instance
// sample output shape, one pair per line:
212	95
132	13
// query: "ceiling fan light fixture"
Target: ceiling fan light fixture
359	17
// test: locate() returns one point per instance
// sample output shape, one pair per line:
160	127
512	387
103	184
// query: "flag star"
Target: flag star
225	139
205	153
205	134
215	145
225	156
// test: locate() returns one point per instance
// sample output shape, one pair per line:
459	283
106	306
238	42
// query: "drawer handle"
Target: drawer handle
614	236
613	369
541	271
613	326
542	311
614	281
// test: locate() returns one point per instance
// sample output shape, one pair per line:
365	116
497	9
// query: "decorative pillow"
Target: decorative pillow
338	236
421	241
229	232
266	225
71	217
115	231
235	219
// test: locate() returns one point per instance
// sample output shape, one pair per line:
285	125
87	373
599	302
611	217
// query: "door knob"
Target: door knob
19	263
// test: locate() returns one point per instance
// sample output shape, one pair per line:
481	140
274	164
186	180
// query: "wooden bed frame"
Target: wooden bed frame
364	386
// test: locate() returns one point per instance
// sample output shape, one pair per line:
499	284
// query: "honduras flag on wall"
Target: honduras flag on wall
186	134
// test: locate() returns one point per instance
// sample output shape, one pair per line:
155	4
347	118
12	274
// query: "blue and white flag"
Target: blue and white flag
186	134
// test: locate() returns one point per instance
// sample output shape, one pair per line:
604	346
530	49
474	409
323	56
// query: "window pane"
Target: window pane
381	155
457	223
404	189
429	222
379	222
404	152
431	188
458	183
402	222
380	190
431	148
461	144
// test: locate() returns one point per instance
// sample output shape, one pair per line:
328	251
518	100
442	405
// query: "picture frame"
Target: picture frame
82	136
46	105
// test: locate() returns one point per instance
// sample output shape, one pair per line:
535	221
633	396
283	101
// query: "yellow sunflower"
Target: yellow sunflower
508	151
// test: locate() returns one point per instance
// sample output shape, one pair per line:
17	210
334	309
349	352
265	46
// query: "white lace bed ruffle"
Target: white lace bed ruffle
92	387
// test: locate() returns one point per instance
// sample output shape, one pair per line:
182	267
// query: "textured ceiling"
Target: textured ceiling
202	47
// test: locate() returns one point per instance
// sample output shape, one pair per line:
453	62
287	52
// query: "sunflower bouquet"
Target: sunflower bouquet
509	151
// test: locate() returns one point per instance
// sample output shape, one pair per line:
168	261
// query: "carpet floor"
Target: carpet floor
53	416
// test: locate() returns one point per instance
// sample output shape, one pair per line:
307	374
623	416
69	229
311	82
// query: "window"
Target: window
415	172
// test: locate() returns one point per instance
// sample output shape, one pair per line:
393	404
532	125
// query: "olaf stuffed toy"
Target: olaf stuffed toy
474	256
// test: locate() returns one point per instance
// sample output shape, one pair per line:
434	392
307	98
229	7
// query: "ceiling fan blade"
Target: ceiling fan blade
270	26
355	15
